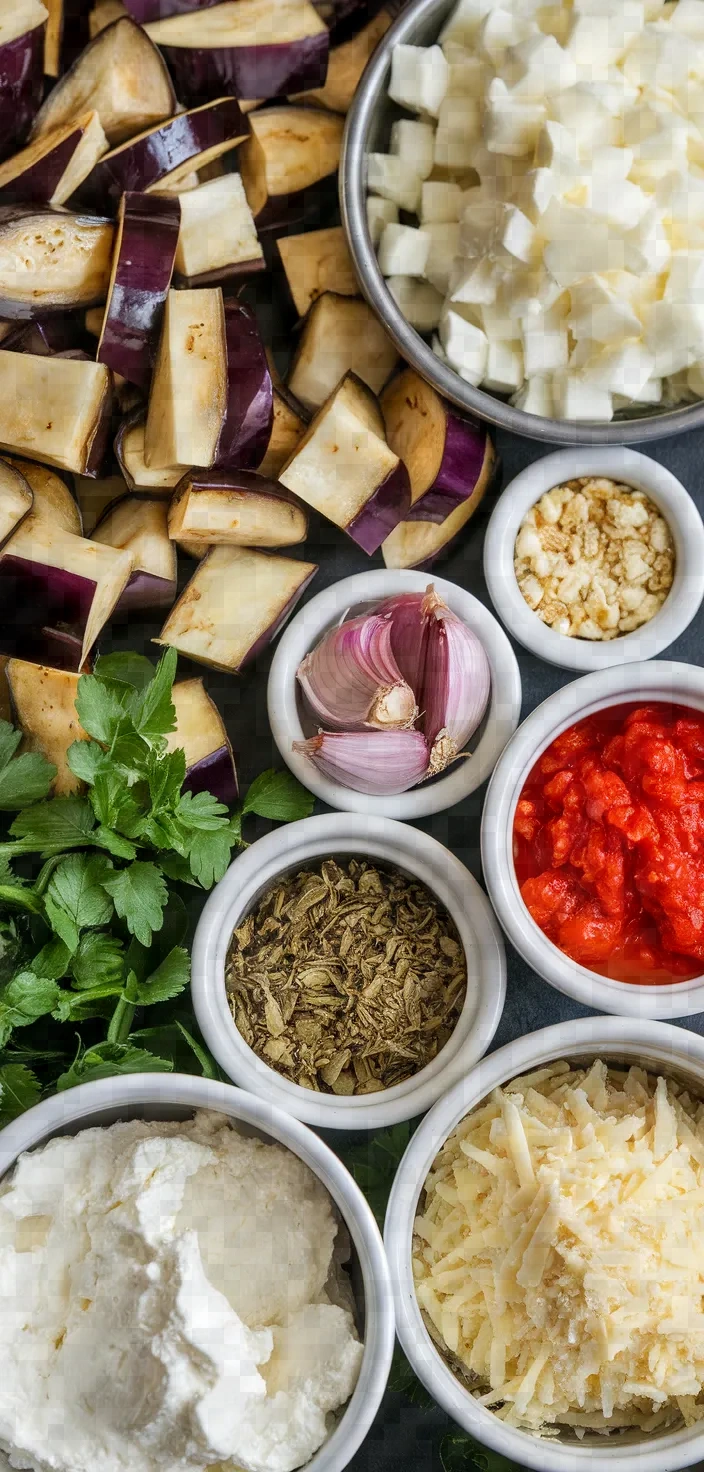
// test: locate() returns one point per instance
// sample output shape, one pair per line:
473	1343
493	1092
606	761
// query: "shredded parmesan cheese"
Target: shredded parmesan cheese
559	1257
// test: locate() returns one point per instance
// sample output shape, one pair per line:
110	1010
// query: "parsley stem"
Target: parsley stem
123	1016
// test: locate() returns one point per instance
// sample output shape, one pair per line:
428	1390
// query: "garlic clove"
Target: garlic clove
409	635
379	763
456	685
351	679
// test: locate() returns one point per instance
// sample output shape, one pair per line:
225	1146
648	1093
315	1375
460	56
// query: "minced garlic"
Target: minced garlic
594	558
559	1251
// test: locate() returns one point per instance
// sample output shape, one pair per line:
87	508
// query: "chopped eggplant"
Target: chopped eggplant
218	239
162	157
346	64
15	499
51	260
94	497
345	18
139	527
317	262
234	605
52	37
51	168
235	507
56	410
200	733
21	70
344	468
122	76
420	543
340	335
103	14
148	10
52	580
129	453
48	335
44	700
188	399
289	163
444	454
287	431
143	263
245	48
94	320
53	505
249	410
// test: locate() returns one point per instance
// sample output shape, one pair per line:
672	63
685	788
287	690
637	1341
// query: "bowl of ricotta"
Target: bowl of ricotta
521	191
192	1278
544	1238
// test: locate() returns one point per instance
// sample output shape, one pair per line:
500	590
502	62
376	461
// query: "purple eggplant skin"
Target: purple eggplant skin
37	184
382	512
238	271
136	166
275	628
290	214
236	480
245	434
463	459
135	308
202	74
214	773
45	337
145	591
21	87
145	11
37	604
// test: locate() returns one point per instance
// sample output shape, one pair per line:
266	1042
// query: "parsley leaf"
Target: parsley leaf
113	843
87	760
209	855
23	779
139	893
169	979
77	887
99	959
165	776
201	810
19	1090
129	669
107	1060
64	821
101	708
153	711
209	1067
278	795
52	960
23	1000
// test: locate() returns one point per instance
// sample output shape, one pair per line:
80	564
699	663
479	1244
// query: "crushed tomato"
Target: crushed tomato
608	843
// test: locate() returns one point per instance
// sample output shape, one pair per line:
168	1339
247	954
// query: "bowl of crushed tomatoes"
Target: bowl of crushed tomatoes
593	840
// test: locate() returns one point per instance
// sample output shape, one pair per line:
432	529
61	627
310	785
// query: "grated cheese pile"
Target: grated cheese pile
559	1255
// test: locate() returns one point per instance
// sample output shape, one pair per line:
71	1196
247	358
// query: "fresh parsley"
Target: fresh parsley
93	923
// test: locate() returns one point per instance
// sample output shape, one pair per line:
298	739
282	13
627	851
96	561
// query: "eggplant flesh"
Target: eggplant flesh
246	48
143	261
103	14
51	261
316	262
444	454
238	508
218	237
340	335
56	410
15	500
346	65
287	431
161	158
420	544
122	76
51	168
52	502
45	704
139	526
234	605
200	733
21	70
291	150
129	452
189	392
53	579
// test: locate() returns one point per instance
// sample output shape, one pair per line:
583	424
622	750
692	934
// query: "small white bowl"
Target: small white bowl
287	710
680	684
292	848
673	1050
678	509
177	1096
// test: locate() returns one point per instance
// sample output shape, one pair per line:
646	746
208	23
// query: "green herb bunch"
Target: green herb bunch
96	933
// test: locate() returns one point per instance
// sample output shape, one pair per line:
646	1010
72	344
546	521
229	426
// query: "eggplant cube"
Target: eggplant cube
239	508
22	26
234	605
139	526
218	238
317	262
50	580
129	453
55	409
45	705
244	48
340	335
287	431
143	263
189	389
52	168
51	260
293	152
344	468
347	62
15	499
445	455
420	544
200	733
122	76
52	502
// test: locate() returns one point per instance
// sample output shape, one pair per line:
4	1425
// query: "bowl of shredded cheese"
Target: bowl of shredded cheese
544	1234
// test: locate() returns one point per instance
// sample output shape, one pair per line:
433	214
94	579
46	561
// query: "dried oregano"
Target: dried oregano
346	978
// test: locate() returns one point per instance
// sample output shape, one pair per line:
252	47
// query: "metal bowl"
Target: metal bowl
367	131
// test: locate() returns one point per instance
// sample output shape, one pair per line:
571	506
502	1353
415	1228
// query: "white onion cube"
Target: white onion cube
419	78
573	398
466	346
440	201
394	179
403	251
380	212
414	144
420	303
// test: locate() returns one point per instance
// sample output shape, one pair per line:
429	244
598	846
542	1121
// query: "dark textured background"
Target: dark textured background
405	1434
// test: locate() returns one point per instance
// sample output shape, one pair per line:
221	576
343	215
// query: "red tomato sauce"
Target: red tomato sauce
608	843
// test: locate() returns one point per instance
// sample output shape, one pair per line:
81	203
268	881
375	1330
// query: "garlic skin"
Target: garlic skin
379	763
409	635
352	682
456	684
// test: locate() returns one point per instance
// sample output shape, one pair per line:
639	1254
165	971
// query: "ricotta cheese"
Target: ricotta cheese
168	1301
558	1251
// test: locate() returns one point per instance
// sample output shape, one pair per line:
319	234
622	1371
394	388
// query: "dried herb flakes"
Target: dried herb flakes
347	979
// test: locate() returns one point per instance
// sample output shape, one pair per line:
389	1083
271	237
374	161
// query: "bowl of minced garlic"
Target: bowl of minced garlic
558	1253
594	558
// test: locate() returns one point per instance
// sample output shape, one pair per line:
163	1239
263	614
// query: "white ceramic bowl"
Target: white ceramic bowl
176	1096
635	470
672	1050
291	848
681	684
287	712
